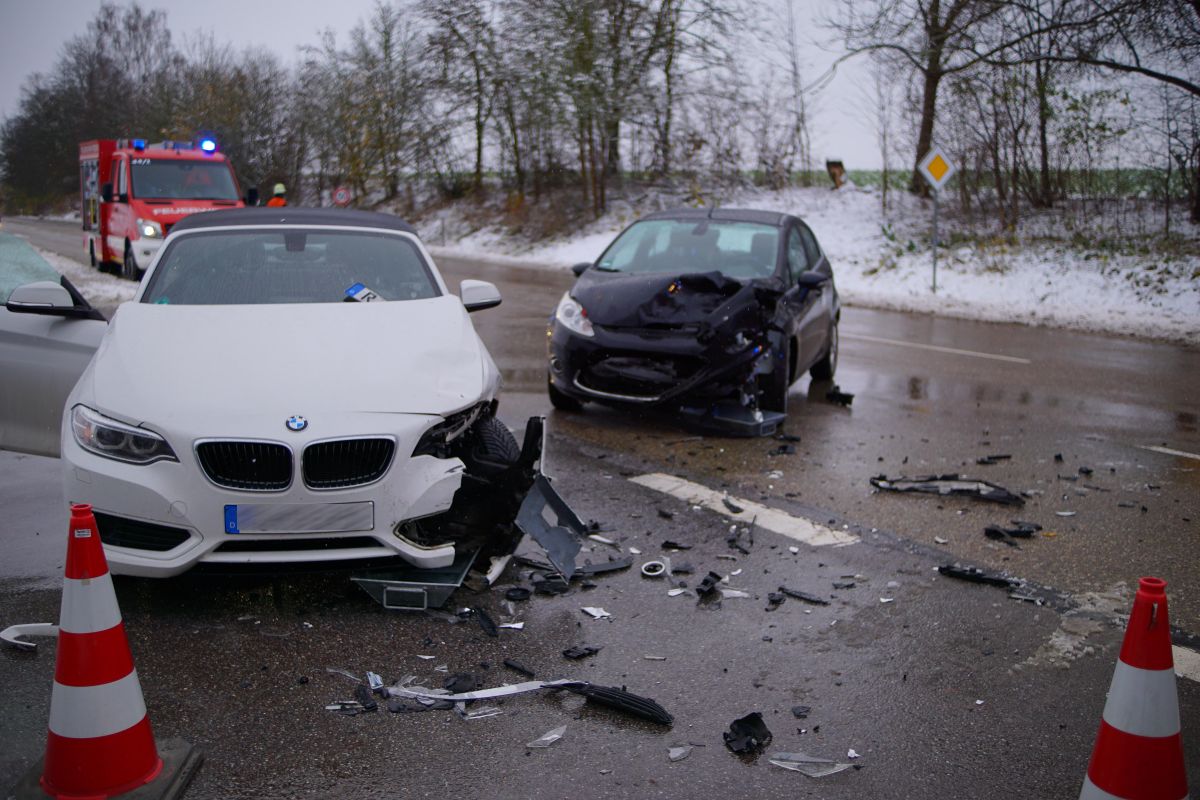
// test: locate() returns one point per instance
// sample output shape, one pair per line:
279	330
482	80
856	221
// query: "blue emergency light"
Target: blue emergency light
208	144
139	144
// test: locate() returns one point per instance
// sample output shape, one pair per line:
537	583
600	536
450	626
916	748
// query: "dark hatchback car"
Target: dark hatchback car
713	313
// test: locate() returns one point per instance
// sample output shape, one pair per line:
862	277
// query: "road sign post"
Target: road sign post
937	169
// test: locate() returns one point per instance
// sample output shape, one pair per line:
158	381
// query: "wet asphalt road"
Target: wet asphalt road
221	661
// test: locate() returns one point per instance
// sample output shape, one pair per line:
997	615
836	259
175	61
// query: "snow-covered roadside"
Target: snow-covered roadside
101	289
1031	284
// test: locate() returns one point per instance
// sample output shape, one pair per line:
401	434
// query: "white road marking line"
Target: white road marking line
936	348
1187	663
1166	451
772	519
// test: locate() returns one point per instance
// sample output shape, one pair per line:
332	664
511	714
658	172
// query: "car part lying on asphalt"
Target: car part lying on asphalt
13	633
838	397
712	314
947	486
808	765
1020	529
748	734
611	697
548	738
581	651
977	575
805	596
679	753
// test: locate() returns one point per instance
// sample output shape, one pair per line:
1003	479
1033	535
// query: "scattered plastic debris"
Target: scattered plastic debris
512	626
485	621
654	569
805	596
734	594
844	584
363	695
581	651
708	584
741	538
851	754
662	512
976	575
374	682
1020	529
999	535
427	658
940	540
635	551
749	734
548	738
670	545
477	713
887	599
655	658
679	753
808	765
732	506
517	594
13	633
1064	513
596	613
949	485
345	673
838	397
676	592
801	712
595	537
621	700
461	682
782	450
990	460
793	550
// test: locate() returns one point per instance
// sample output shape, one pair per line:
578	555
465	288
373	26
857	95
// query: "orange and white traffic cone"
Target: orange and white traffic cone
1139	752
99	742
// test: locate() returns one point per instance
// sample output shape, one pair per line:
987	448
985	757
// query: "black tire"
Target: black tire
824	369
562	402
495	443
129	267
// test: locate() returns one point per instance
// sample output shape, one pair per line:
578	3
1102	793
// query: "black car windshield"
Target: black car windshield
737	249
246	267
170	179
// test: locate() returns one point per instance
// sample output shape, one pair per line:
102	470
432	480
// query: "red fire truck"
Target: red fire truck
133	192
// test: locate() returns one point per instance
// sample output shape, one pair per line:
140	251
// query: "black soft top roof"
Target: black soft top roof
292	216
723	215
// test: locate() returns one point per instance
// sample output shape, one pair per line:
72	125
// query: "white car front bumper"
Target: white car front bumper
160	519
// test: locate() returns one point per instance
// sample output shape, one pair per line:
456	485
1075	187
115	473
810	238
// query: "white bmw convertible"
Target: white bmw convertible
288	385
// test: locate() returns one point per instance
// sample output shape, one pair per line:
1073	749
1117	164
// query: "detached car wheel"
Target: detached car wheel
823	370
561	401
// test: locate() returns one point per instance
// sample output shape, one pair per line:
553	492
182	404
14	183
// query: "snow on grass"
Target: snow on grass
1035	282
101	289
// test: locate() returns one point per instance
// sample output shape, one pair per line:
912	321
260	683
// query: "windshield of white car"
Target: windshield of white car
249	267
172	179
737	249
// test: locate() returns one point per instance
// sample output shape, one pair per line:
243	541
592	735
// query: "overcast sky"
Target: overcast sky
32	33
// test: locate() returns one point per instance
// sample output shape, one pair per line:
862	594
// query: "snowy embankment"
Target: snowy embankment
1036	284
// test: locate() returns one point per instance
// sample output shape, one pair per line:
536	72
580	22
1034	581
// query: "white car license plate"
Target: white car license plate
300	517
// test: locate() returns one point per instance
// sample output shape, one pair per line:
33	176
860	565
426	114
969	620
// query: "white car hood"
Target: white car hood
166	364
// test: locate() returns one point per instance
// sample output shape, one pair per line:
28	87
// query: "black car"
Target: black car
714	313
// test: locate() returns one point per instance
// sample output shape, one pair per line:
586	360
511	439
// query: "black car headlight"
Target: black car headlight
436	440
107	437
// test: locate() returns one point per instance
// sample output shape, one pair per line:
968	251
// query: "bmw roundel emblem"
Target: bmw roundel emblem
297	423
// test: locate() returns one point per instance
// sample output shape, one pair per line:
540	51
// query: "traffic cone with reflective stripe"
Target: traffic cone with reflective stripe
99	742
1139	752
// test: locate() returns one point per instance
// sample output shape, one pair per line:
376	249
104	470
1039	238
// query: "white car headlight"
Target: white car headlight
107	437
149	229
573	316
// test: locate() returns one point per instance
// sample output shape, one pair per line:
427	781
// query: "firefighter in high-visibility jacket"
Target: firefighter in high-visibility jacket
278	196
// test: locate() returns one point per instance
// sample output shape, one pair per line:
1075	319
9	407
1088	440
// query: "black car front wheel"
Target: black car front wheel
823	370
562	402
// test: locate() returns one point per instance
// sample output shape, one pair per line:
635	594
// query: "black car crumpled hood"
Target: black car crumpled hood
667	299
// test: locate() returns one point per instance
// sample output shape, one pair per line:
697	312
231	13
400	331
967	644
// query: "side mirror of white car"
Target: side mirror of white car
478	295
47	297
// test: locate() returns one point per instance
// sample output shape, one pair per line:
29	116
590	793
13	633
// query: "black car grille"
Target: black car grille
637	374
120	532
251	466
296	545
346	462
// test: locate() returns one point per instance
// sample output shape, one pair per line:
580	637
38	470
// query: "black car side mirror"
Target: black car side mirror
581	268
106	193
811	279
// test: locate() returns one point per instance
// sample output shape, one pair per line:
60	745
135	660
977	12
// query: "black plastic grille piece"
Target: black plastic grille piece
121	532
253	466
346	462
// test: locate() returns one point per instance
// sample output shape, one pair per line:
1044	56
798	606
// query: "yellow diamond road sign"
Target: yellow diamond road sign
936	167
